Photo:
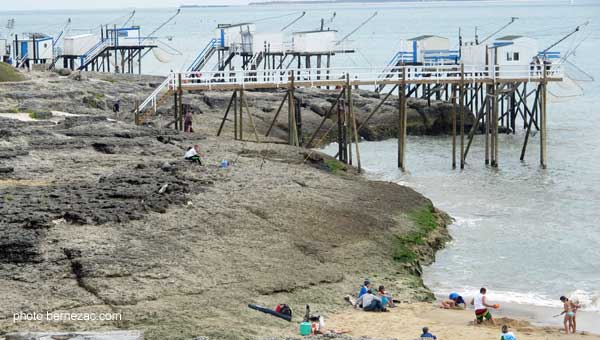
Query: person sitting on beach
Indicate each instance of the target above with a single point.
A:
(481, 307)
(386, 299)
(506, 335)
(192, 154)
(369, 302)
(570, 310)
(426, 335)
(364, 288)
(454, 301)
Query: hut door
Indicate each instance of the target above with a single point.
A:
(23, 48)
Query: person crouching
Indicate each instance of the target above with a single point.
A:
(192, 154)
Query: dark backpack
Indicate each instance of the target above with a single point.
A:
(284, 309)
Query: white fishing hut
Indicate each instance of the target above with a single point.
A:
(36, 47)
(314, 41)
(79, 44)
(426, 49)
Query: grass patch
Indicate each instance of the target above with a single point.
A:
(334, 165)
(14, 109)
(8, 73)
(425, 222)
(33, 115)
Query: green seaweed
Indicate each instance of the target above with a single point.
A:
(334, 165)
(425, 222)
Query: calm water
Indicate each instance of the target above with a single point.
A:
(528, 234)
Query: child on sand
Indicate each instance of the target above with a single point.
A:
(426, 335)
(506, 335)
(481, 307)
(454, 301)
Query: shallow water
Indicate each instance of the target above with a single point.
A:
(530, 235)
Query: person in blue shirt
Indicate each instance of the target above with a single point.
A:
(365, 288)
(506, 335)
(454, 301)
(427, 335)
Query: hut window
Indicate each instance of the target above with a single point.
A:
(516, 56)
(509, 56)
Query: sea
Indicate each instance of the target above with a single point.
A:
(528, 234)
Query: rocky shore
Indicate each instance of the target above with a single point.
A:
(98, 215)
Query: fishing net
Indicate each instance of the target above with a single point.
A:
(162, 55)
(562, 91)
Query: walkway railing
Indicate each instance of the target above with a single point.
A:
(369, 76)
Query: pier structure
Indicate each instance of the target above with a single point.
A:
(494, 96)
(240, 46)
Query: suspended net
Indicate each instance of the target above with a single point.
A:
(162, 55)
(562, 91)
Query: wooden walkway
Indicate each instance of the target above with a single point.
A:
(491, 94)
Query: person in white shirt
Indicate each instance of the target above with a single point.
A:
(192, 154)
(369, 302)
(481, 307)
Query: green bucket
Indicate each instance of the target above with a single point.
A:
(305, 328)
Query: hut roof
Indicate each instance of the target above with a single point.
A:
(233, 25)
(426, 36)
(315, 31)
(510, 37)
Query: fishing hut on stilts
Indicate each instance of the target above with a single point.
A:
(118, 49)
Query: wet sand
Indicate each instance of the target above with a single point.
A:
(406, 321)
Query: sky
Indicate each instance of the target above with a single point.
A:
(93, 4)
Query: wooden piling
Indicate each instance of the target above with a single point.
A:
(462, 116)
(542, 121)
(231, 100)
(353, 121)
(453, 113)
(402, 122)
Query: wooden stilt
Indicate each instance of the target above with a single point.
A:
(347, 130)
(277, 114)
(531, 114)
(243, 100)
(226, 113)
(402, 122)
(325, 117)
(352, 123)
(453, 113)
(462, 116)
(543, 130)
(495, 122)
(487, 125)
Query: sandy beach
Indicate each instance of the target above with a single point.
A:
(406, 321)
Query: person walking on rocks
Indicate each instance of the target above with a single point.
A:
(187, 121)
(117, 106)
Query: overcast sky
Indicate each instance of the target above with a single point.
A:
(84, 4)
